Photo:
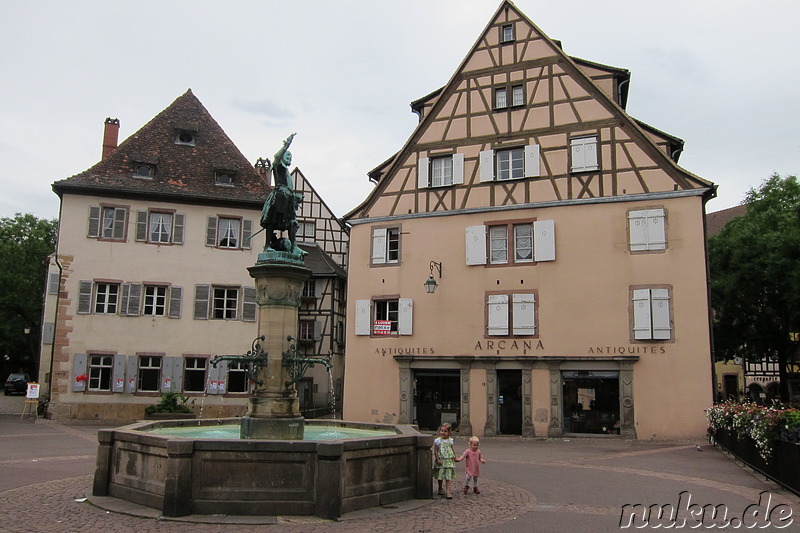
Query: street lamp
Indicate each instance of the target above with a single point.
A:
(430, 284)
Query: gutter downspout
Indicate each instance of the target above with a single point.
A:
(712, 194)
(55, 315)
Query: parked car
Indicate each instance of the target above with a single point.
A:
(16, 382)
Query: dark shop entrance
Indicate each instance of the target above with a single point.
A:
(437, 398)
(509, 401)
(591, 402)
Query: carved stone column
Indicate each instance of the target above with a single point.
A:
(406, 391)
(627, 427)
(556, 428)
(464, 424)
(527, 404)
(274, 410)
(490, 428)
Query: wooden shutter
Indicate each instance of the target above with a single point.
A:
(132, 373)
(249, 306)
(179, 222)
(168, 372)
(215, 376)
(247, 233)
(637, 226)
(486, 161)
(458, 169)
(85, 297)
(48, 332)
(660, 314)
(405, 318)
(532, 161)
(523, 313)
(118, 377)
(175, 302)
(202, 293)
(211, 231)
(584, 154)
(363, 317)
(423, 173)
(141, 226)
(93, 229)
(497, 307)
(544, 240)
(53, 283)
(656, 229)
(119, 223)
(79, 368)
(379, 246)
(642, 329)
(476, 245)
(317, 330)
(131, 299)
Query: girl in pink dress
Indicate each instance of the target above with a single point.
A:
(473, 458)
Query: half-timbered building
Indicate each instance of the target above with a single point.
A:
(149, 280)
(531, 261)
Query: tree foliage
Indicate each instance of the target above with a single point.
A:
(25, 243)
(754, 267)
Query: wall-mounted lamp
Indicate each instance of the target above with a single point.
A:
(430, 285)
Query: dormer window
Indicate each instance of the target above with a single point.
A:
(185, 137)
(223, 178)
(143, 171)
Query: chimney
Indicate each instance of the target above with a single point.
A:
(110, 136)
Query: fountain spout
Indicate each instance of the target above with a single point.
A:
(255, 359)
(297, 364)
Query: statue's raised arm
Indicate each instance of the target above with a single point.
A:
(281, 163)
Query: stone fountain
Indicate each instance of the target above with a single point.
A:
(271, 469)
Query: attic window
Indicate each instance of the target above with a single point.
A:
(143, 171)
(507, 33)
(185, 137)
(223, 178)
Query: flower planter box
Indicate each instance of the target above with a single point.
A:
(783, 467)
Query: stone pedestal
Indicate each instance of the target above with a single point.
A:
(274, 411)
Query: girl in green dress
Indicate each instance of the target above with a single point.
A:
(445, 467)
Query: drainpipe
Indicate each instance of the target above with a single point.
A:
(55, 315)
(706, 197)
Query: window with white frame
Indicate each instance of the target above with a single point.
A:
(101, 367)
(107, 222)
(229, 233)
(511, 314)
(440, 171)
(384, 316)
(385, 246)
(513, 242)
(306, 330)
(306, 230)
(509, 163)
(155, 300)
(507, 33)
(149, 373)
(237, 377)
(225, 303)
(309, 289)
(651, 314)
(584, 154)
(647, 229)
(106, 298)
(159, 227)
(509, 96)
(194, 374)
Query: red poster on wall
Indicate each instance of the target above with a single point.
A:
(382, 327)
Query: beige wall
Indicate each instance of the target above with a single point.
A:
(583, 308)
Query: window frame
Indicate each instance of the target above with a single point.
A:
(220, 237)
(195, 371)
(108, 295)
(149, 369)
(154, 306)
(105, 372)
(386, 246)
(578, 165)
(512, 306)
(507, 33)
(651, 236)
(514, 158)
(225, 299)
(441, 171)
(118, 229)
(368, 311)
(509, 92)
(649, 321)
(240, 371)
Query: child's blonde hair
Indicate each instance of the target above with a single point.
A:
(474, 439)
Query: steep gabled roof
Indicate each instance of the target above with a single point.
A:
(717, 220)
(441, 105)
(320, 263)
(183, 172)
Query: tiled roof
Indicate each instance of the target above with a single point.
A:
(182, 172)
(320, 263)
(717, 220)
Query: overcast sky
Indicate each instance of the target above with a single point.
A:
(721, 75)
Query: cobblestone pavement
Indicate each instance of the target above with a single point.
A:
(527, 485)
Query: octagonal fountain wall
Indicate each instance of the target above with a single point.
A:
(194, 475)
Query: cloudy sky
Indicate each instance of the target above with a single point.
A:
(721, 75)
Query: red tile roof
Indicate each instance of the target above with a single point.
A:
(182, 172)
(717, 220)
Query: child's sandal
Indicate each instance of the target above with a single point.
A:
(449, 496)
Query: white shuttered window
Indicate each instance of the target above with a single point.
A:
(651, 314)
(647, 229)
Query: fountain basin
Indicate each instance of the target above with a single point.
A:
(194, 475)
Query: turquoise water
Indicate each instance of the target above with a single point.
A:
(231, 432)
